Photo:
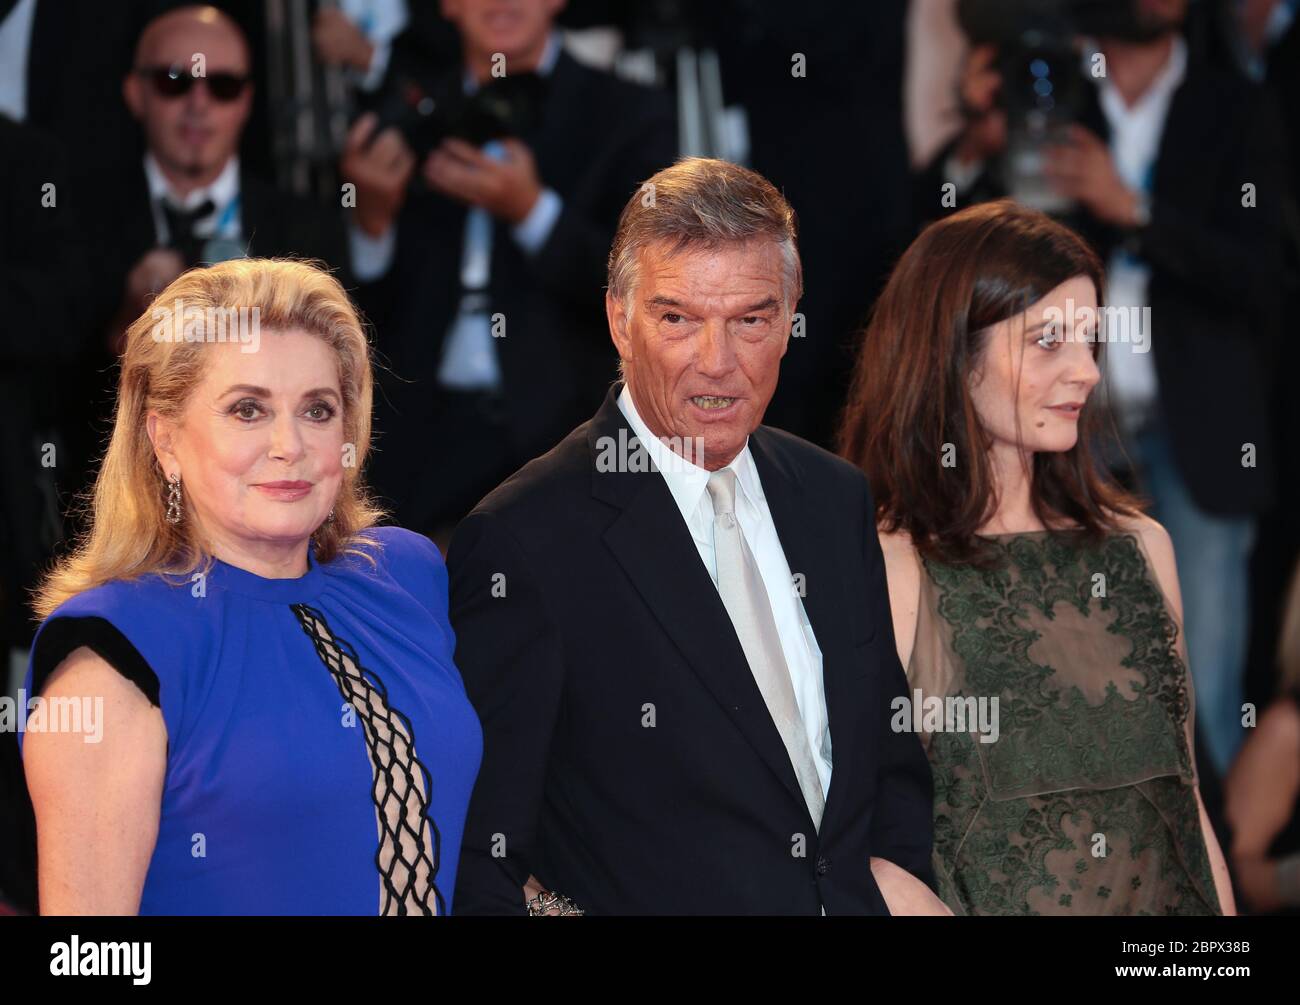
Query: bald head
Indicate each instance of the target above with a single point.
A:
(191, 133)
(190, 30)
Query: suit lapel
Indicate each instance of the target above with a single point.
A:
(652, 544)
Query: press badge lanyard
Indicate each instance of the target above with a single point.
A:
(228, 215)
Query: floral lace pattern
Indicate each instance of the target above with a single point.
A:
(1084, 802)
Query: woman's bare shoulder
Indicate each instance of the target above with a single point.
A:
(1137, 523)
(896, 542)
(1159, 545)
(903, 576)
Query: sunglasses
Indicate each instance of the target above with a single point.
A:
(174, 81)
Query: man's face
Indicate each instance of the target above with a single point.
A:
(701, 338)
(191, 134)
(512, 27)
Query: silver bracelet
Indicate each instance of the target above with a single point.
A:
(541, 905)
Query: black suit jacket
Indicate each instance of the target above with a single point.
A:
(582, 609)
(598, 139)
(76, 59)
(1216, 276)
(274, 224)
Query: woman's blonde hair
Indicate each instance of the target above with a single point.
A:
(126, 534)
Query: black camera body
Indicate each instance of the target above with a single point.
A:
(1044, 82)
(504, 106)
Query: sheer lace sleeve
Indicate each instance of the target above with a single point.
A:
(1180, 645)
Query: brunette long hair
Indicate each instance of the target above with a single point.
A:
(910, 394)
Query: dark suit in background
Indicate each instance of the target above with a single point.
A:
(42, 261)
(76, 59)
(598, 138)
(1278, 547)
(272, 224)
(832, 141)
(579, 600)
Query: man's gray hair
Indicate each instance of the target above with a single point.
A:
(706, 203)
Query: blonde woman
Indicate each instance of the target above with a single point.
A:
(280, 726)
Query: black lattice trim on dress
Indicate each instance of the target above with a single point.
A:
(408, 853)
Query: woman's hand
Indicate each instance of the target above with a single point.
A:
(905, 894)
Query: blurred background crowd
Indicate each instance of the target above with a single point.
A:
(461, 165)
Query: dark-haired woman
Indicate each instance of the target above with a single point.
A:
(1036, 610)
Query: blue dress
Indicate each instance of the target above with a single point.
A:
(321, 747)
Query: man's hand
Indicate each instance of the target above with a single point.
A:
(155, 270)
(905, 894)
(339, 42)
(508, 188)
(381, 170)
(1081, 168)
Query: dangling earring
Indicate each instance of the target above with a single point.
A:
(330, 518)
(174, 499)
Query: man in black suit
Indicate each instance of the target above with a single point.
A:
(484, 278)
(190, 202)
(668, 621)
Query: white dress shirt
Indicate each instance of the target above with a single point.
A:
(223, 222)
(688, 484)
(1135, 134)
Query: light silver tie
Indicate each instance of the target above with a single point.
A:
(743, 595)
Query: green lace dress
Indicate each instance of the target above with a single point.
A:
(1084, 803)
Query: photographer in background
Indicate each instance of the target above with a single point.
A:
(382, 42)
(485, 209)
(1173, 170)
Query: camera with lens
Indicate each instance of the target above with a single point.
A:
(1044, 80)
(507, 106)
